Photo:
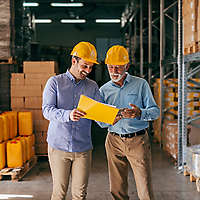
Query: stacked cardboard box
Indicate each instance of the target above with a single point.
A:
(170, 137)
(26, 94)
(171, 112)
(5, 33)
(194, 136)
(191, 25)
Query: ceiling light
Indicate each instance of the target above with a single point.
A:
(30, 4)
(8, 196)
(107, 20)
(72, 20)
(66, 4)
(42, 21)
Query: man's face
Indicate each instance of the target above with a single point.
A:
(116, 72)
(82, 68)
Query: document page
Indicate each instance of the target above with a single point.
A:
(97, 111)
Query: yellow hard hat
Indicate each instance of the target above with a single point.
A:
(117, 55)
(86, 51)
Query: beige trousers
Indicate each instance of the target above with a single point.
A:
(63, 164)
(135, 151)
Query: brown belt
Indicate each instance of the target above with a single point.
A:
(129, 135)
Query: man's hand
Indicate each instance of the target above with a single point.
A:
(118, 117)
(76, 114)
(131, 113)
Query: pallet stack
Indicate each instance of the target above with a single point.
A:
(191, 26)
(26, 95)
(17, 144)
(6, 34)
(170, 123)
(192, 167)
(170, 137)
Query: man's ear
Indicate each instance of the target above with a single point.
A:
(127, 66)
(74, 61)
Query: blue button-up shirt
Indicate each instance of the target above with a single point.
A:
(136, 91)
(61, 95)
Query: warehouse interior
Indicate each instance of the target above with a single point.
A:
(162, 38)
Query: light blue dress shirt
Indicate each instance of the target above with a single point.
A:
(61, 95)
(136, 91)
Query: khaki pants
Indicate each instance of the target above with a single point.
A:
(63, 164)
(137, 152)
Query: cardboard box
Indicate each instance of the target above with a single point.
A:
(37, 79)
(40, 125)
(16, 82)
(194, 136)
(17, 76)
(41, 149)
(26, 91)
(36, 114)
(35, 82)
(33, 102)
(41, 137)
(46, 67)
(38, 76)
(17, 102)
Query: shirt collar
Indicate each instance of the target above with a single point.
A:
(69, 75)
(128, 77)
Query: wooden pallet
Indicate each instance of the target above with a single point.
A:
(9, 60)
(42, 155)
(193, 178)
(16, 174)
(192, 48)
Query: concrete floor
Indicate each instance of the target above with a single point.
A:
(168, 184)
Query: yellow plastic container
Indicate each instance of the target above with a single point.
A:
(28, 140)
(25, 123)
(24, 147)
(2, 155)
(14, 117)
(1, 130)
(14, 153)
(5, 126)
(12, 125)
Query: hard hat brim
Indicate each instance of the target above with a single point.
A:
(116, 63)
(90, 60)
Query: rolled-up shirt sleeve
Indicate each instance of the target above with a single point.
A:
(150, 110)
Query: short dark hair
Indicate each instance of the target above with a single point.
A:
(77, 58)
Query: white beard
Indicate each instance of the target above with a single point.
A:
(120, 76)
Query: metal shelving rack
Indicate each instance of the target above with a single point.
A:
(168, 64)
(176, 65)
(186, 72)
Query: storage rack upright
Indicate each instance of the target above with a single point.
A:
(175, 66)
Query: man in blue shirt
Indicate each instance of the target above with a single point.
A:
(127, 140)
(69, 137)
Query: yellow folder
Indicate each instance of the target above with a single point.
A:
(97, 111)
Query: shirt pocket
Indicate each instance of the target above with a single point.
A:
(132, 98)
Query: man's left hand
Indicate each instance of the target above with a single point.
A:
(131, 113)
